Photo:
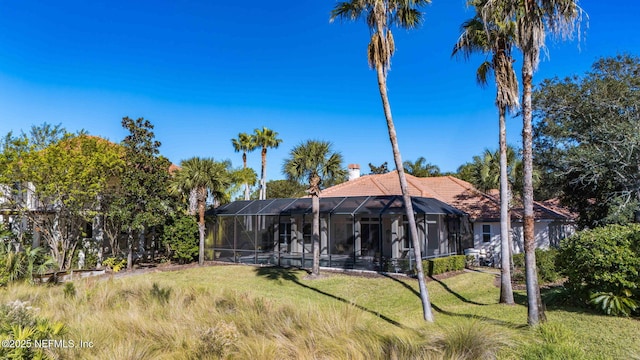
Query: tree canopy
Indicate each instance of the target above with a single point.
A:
(58, 180)
(588, 139)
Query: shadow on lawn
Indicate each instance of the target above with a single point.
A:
(289, 274)
(449, 313)
(462, 298)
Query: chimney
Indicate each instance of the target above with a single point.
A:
(354, 171)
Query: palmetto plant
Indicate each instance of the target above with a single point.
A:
(205, 177)
(23, 264)
(380, 16)
(315, 162)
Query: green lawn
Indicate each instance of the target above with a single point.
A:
(244, 312)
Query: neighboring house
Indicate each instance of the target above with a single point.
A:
(363, 224)
(15, 201)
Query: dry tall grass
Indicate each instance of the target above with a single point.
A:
(245, 313)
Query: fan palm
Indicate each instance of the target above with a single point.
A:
(380, 15)
(265, 138)
(533, 18)
(315, 162)
(204, 177)
(244, 143)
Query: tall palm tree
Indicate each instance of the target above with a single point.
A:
(265, 138)
(316, 162)
(245, 143)
(380, 15)
(207, 177)
(421, 168)
(495, 38)
(533, 18)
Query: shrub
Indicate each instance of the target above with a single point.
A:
(545, 263)
(19, 323)
(114, 264)
(602, 266)
(160, 294)
(69, 290)
(444, 264)
(181, 237)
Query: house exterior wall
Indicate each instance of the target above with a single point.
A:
(548, 233)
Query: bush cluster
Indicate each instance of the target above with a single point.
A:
(19, 322)
(602, 266)
(444, 264)
(181, 238)
(545, 263)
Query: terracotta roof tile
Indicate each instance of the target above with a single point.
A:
(448, 189)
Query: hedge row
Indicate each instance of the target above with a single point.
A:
(444, 264)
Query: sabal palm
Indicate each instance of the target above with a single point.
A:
(495, 38)
(315, 162)
(205, 177)
(265, 138)
(380, 15)
(421, 168)
(533, 18)
(244, 143)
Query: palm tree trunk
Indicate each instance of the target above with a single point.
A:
(201, 207)
(263, 185)
(535, 309)
(247, 193)
(424, 294)
(315, 209)
(506, 292)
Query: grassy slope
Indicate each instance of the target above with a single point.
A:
(267, 313)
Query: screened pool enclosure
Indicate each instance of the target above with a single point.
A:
(366, 232)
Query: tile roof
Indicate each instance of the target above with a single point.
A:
(448, 189)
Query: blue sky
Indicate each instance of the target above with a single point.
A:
(203, 71)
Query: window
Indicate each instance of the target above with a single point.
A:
(486, 233)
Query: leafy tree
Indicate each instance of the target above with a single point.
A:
(314, 161)
(587, 142)
(382, 169)
(283, 189)
(533, 18)
(265, 139)
(245, 143)
(380, 15)
(206, 177)
(421, 168)
(493, 37)
(67, 178)
(180, 235)
(144, 199)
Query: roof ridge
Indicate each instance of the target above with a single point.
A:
(379, 185)
(412, 179)
(343, 184)
(545, 207)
